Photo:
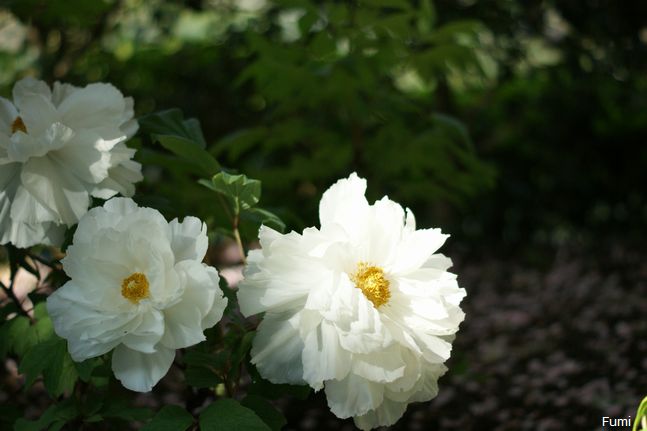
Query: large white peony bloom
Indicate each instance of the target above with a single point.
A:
(137, 286)
(361, 307)
(59, 147)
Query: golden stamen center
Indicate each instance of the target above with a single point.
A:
(372, 282)
(135, 287)
(18, 124)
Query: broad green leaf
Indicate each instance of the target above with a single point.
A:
(182, 137)
(228, 414)
(169, 418)
(188, 150)
(51, 359)
(18, 330)
(171, 122)
(243, 192)
(201, 371)
(85, 368)
(201, 377)
(120, 409)
(263, 216)
(266, 411)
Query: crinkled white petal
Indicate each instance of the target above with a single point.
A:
(277, 348)
(386, 414)
(323, 357)
(139, 371)
(353, 396)
(202, 301)
(188, 239)
(8, 114)
(56, 189)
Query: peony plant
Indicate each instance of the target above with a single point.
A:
(362, 307)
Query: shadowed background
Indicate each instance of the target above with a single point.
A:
(517, 127)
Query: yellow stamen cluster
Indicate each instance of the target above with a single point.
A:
(135, 287)
(18, 124)
(372, 282)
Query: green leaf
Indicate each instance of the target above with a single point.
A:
(266, 411)
(119, 409)
(171, 122)
(243, 192)
(51, 359)
(227, 414)
(201, 377)
(170, 418)
(85, 368)
(182, 137)
(202, 367)
(187, 149)
(53, 418)
(244, 345)
(269, 390)
(263, 216)
(17, 335)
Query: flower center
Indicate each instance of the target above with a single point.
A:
(135, 287)
(372, 282)
(18, 124)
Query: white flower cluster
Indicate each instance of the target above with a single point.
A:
(362, 307)
(59, 147)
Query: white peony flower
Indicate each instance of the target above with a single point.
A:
(59, 147)
(361, 307)
(137, 286)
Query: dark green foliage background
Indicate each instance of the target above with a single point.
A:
(515, 128)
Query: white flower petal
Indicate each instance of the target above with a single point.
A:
(23, 146)
(27, 87)
(344, 203)
(202, 299)
(90, 332)
(85, 160)
(323, 357)
(139, 371)
(188, 239)
(277, 348)
(353, 396)
(98, 105)
(219, 304)
(386, 414)
(56, 189)
(145, 336)
(416, 248)
(37, 113)
(8, 114)
(384, 367)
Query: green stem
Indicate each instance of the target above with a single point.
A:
(239, 242)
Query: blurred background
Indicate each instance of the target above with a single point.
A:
(520, 128)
